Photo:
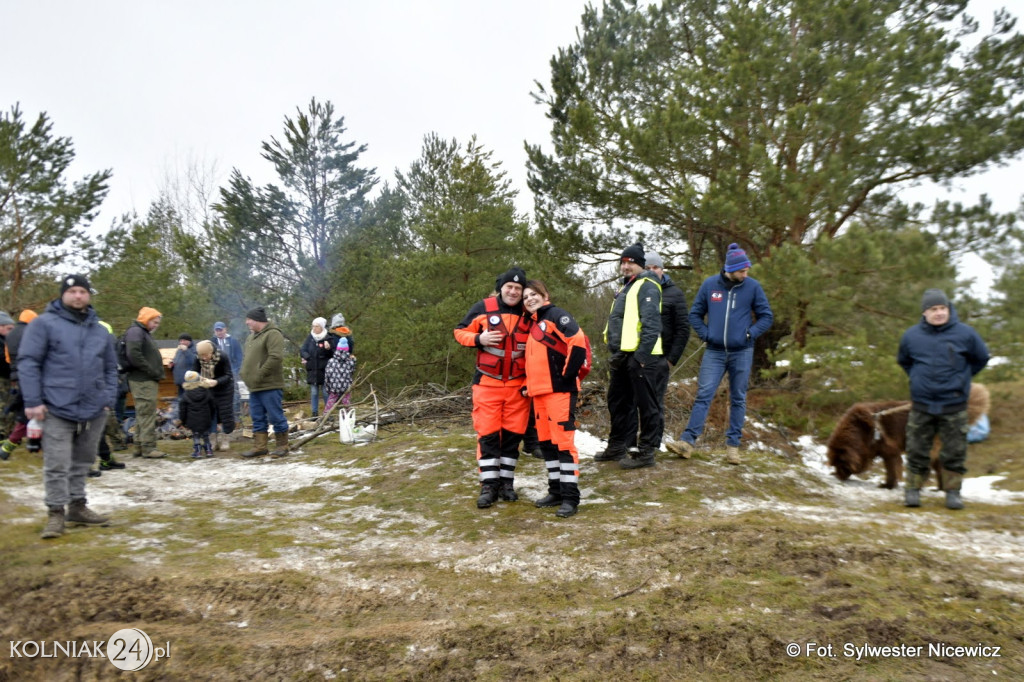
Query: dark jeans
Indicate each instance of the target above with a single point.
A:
(633, 403)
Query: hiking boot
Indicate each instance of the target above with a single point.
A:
(488, 495)
(259, 445)
(54, 524)
(137, 452)
(223, 442)
(612, 453)
(207, 450)
(281, 440)
(732, 454)
(79, 513)
(6, 448)
(196, 453)
(639, 461)
(538, 453)
(912, 495)
(566, 510)
(507, 491)
(680, 448)
(548, 500)
(111, 463)
(953, 500)
(155, 454)
(94, 473)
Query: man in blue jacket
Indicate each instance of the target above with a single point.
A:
(940, 355)
(68, 373)
(729, 312)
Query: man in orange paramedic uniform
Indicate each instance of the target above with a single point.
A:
(497, 328)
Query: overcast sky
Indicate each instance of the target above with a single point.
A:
(144, 87)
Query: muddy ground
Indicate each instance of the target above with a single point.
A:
(371, 562)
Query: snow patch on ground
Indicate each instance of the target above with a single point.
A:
(238, 490)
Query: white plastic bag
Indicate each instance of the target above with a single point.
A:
(347, 424)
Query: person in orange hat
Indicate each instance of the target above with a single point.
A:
(16, 407)
(144, 374)
(6, 418)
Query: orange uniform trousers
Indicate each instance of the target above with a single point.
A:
(500, 414)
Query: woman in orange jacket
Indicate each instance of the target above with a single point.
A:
(555, 353)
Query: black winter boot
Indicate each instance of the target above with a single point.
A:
(566, 510)
(644, 459)
(507, 491)
(570, 498)
(489, 493)
(611, 453)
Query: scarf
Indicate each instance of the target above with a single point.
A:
(206, 366)
(323, 326)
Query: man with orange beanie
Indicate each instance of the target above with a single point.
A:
(6, 418)
(146, 369)
(17, 404)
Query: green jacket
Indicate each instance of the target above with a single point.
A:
(147, 363)
(263, 364)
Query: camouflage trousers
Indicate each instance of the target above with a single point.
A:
(922, 428)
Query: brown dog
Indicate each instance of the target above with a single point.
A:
(870, 430)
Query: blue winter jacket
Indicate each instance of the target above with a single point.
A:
(940, 362)
(728, 307)
(68, 364)
(234, 351)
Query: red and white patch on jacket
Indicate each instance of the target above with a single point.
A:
(717, 296)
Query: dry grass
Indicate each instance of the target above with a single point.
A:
(372, 562)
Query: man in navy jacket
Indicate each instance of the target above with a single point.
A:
(68, 373)
(940, 354)
(728, 314)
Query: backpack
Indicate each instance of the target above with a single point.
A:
(121, 347)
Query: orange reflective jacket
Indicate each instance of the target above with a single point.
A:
(497, 364)
(555, 352)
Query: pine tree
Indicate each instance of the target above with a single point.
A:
(42, 217)
(709, 122)
(280, 237)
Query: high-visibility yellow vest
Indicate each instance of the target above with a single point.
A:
(631, 318)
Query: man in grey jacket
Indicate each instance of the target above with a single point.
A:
(67, 369)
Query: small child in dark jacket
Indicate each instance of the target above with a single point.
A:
(196, 409)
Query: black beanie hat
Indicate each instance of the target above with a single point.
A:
(933, 297)
(257, 314)
(74, 281)
(184, 337)
(515, 275)
(634, 253)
